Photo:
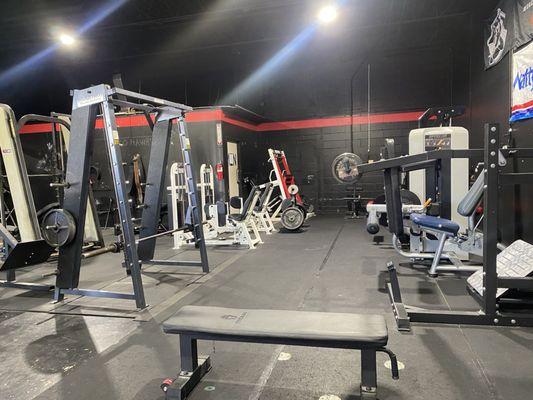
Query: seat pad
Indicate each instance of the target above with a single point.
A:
(435, 223)
(327, 329)
(237, 217)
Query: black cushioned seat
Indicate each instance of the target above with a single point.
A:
(326, 329)
(245, 207)
(237, 217)
(263, 197)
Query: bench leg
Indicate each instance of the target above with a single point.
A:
(188, 353)
(193, 368)
(438, 254)
(368, 374)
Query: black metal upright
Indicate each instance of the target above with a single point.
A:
(444, 176)
(131, 259)
(190, 179)
(76, 190)
(155, 190)
(490, 218)
(393, 200)
(155, 185)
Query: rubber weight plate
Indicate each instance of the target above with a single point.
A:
(292, 218)
(58, 227)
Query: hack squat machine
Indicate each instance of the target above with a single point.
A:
(66, 225)
(290, 207)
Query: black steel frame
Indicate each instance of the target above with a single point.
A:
(194, 367)
(495, 178)
(85, 106)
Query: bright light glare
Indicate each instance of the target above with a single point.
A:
(327, 14)
(67, 39)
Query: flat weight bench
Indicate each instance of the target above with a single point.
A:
(367, 333)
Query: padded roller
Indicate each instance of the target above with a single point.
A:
(468, 204)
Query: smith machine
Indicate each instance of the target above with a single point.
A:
(289, 208)
(504, 286)
(68, 222)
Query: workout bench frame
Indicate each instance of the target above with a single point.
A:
(194, 367)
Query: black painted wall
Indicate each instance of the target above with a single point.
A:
(310, 153)
(491, 102)
(411, 80)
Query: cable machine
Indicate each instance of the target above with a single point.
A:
(503, 287)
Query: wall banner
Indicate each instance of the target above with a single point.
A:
(522, 84)
(509, 27)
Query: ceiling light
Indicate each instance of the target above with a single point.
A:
(327, 14)
(67, 39)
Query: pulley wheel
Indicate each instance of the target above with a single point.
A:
(293, 189)
(292, 218)
(58, 227)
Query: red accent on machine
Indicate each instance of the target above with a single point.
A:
(220, 171)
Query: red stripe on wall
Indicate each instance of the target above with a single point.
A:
(242, 124)
(204, 116)
(37, 128)
(218, 115)
(341, 121)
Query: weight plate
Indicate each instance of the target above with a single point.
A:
(344, 168)
(302, 209)
(58, 227)
(409, 198)
(292, 218)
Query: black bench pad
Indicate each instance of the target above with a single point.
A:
(280, 326)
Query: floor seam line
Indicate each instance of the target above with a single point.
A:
(267, 372)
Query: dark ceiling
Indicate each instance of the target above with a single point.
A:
(177, 49)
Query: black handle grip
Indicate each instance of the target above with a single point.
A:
(393, 361)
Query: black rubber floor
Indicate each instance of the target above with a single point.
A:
(333, 266)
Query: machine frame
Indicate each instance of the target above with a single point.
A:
(495, 178)
(86, 104)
